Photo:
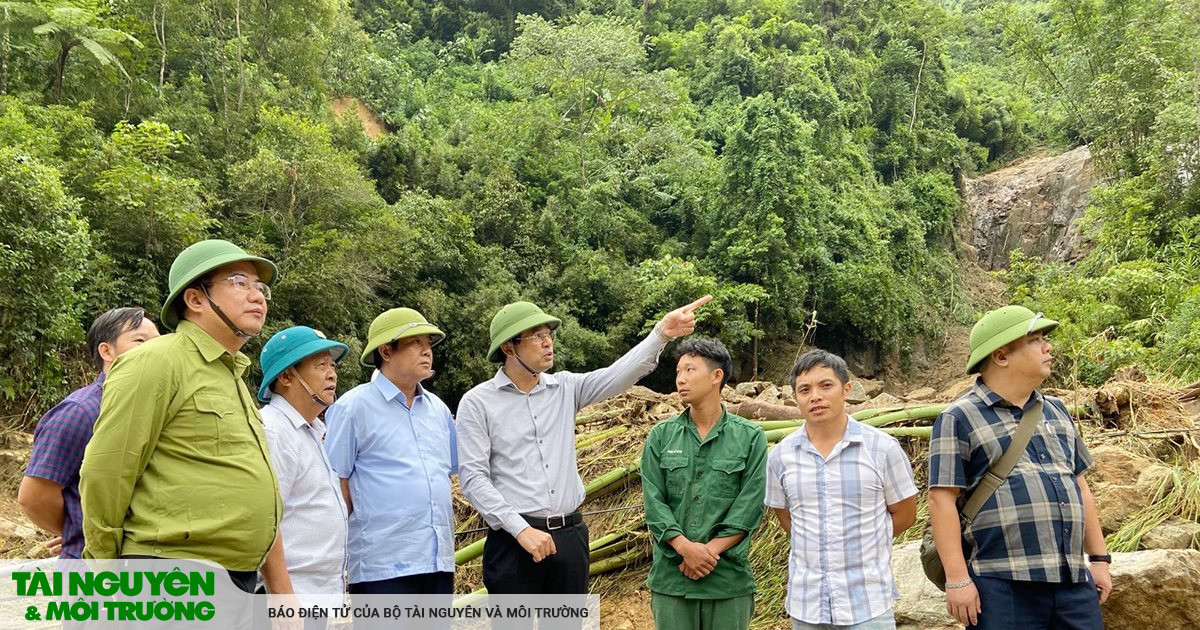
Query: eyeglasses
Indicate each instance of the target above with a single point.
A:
(539, 337)
(243, 284)
(1033, 322)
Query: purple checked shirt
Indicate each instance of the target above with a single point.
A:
(58, 443)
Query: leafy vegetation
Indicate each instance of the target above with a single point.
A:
(606, 159)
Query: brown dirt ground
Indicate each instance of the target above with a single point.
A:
(372, 125)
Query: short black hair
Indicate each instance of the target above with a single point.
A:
(712, 351)
(819, 358)
(377, 357)
(109, 326)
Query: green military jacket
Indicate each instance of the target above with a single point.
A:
(178, 466)
(703, 490)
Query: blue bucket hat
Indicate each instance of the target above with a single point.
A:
(289, 347)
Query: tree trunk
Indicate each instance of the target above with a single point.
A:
(754, 346)
(917, 90)
(60, 70)
(4, 55)
(158, 21)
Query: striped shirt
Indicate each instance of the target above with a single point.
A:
(58, 444)
(314, 513)
(840, 566)
(1031, 529)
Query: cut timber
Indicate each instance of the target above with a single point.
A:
(764, 411)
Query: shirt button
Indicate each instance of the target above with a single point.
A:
(551, 492)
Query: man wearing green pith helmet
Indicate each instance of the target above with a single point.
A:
(516, 437)
(391, 442)
(178, 466)
(1034, 555)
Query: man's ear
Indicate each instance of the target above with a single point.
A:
(193, 300)
(107, 352)
(508, 349)
(999, 356)
(846, 387)
(718, 376)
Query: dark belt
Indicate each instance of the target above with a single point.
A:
(550, 523)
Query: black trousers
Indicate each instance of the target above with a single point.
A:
(509, 570)
(439, 583)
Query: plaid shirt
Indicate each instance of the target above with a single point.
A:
(1031, 529)
(58, 444)
(840, 565)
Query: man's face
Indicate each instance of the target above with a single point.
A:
(695, 379)
(409, 358)
(820, 395)
(1030, 357)
(320, 372)
(128, 340)
(536, 348)
(232, 288)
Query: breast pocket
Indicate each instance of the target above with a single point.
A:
(221, 421)
(727, 476)
(675, 470)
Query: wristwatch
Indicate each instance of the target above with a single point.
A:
(1106, 558)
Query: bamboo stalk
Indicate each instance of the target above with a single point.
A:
(917, 432)
(771, 425)
(613, 549)
(585, 441)
(866, 414)
(470, 552)
(618, 562)
(598, 416)
(912, 413)
(611, 480)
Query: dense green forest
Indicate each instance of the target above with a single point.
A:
(609, 159)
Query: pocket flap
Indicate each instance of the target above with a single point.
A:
(675, 461)
(729, 464)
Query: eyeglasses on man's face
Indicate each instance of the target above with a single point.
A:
(545, 335)
(242, 283)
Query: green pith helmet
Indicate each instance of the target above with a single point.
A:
(394, 324)
(513, 320)
(1003, 326)
(197, 260)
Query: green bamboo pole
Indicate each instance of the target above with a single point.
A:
(585, 441)
(610, 480)
(778, 434)
(771, 425)
(912, 413)
(619, 561)
(918, 432)
(470, 552)
(598, 416)
(865, 414)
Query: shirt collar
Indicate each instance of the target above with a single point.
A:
(209, 349)
(991, 398)
(501, 380)
(389, 390)
(283, 406)
(854, 433)
(99, 382)
(685, 418)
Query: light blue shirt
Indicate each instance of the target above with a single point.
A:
(840, 566)
(398, 461)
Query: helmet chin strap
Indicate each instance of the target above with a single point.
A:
(317, 399)
(228, 322)
(518, 358)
